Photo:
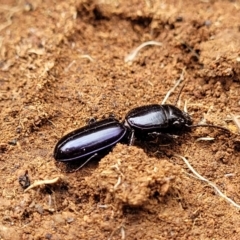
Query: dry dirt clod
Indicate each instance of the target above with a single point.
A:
(133, 182)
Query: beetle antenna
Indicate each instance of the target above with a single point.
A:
(208, 125)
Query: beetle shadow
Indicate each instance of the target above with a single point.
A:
(85, 163)
(163, 146)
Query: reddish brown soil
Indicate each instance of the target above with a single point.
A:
(48, 87)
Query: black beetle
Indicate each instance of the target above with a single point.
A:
(158, 119)
(99, 137)
(89, 141)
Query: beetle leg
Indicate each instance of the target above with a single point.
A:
(132, 138)
(171, 136)
(155, 134)
(166, 135)
(111, 115)
(91, 121)
(93, 156)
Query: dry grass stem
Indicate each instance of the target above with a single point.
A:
(192, 50)
(130, 57)
(69, 66)
(42, 182)
(118, 183)
(9, 16)
(181, 78)
(205, 139)
(123, 233)
(185, 107)
(229, 175)
(208, 182)
(88, 57)
(102, 206)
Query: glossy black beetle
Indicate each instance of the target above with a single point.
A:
(158, 119)
(87, 142)
(98, 138)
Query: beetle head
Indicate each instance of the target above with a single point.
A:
(187, 119)
(182, 122)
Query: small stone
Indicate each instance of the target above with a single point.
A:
(59, 220)
(86, 219)
(48, 236)
(39, 208)
(68, 216)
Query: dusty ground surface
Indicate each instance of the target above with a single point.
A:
(62, 63)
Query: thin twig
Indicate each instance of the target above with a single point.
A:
(208, 182)
(123, 233)
(205, 139)
(118, 183)
(192, 50)
(181, 78)
(88, 57)
(69, 66)
(130, 57)
(12, 11)
(229, 175)
(102, 206)
(42, 182)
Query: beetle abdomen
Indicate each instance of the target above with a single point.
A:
(88, 140)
